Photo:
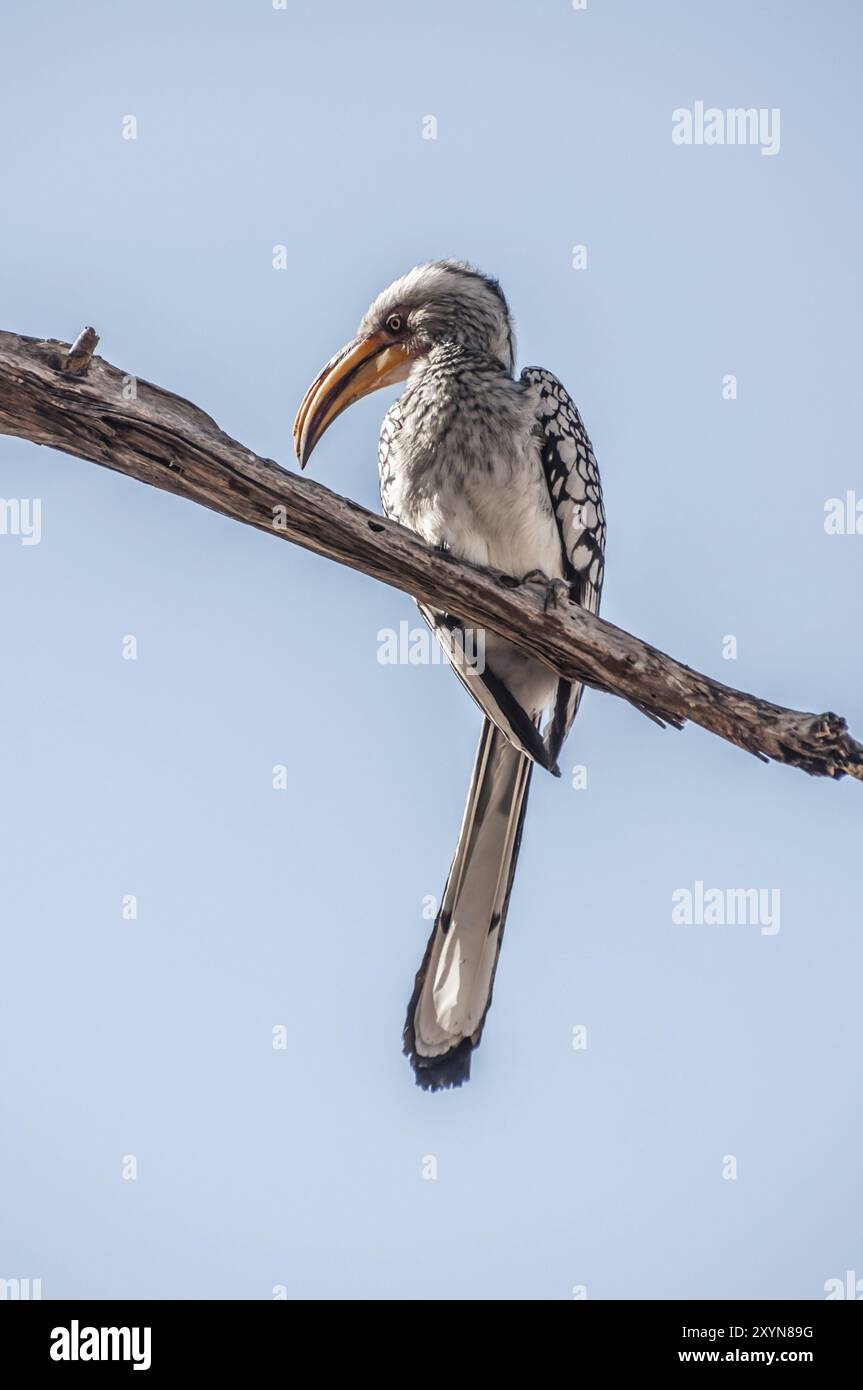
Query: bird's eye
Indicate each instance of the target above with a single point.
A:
(394, 323)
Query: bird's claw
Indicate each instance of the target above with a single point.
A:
(555, 589)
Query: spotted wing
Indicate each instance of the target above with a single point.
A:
(576, 497)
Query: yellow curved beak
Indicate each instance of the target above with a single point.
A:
(365, 365)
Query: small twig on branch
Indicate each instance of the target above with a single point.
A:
(81, 352)
(165, 441)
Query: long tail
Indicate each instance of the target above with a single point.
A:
(453, 987)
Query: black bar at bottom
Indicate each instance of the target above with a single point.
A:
(221, 1338)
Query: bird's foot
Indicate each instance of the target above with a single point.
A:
(555, 590)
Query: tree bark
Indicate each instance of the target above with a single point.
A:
(63, 397)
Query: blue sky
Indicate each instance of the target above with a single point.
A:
(599, 1168)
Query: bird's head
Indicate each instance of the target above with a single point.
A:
(443, 302)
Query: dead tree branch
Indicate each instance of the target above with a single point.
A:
(69, 400)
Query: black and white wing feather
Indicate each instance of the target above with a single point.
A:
(576, 498)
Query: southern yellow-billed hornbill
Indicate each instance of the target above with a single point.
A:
(499, 471)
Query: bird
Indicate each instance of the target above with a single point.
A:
(497, 470)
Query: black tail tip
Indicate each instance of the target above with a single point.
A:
(443, 1073)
